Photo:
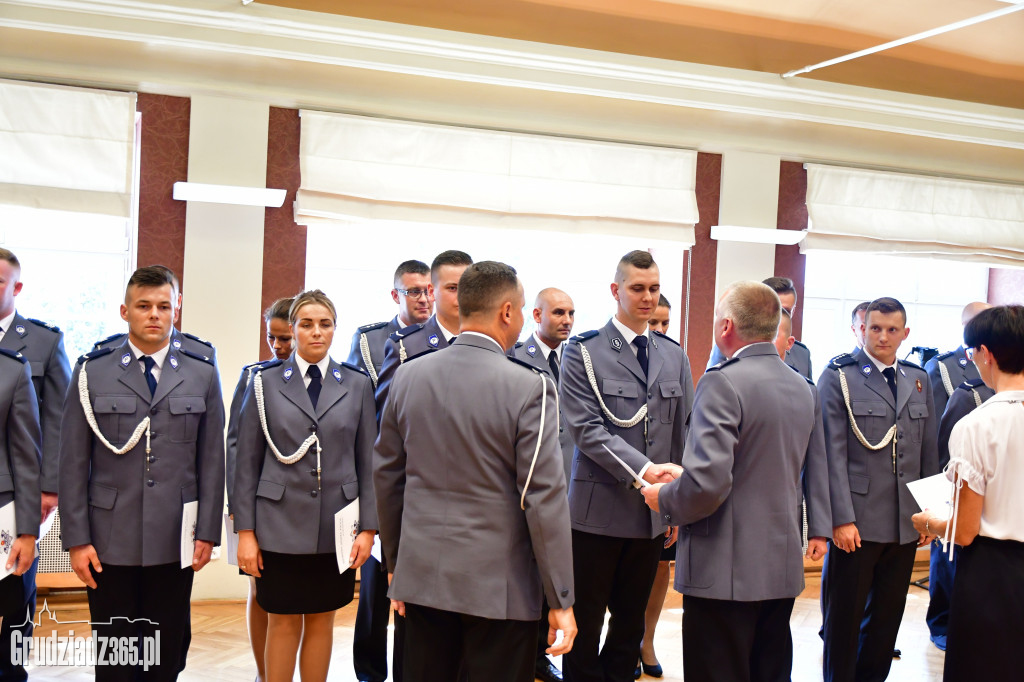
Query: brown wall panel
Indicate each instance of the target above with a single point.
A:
(789, 262)
(702, 265)
(284, 242)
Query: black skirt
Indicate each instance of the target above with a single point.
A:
(12, 597)
(986, 613)
(303, 583)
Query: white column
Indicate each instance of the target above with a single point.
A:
(223, 273)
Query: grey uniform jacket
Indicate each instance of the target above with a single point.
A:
(457, 442)
(19, 447)
(411, 341)
(755, 448)
(42, 345)
(179, 340)
(129, 506)
(958, 369)
(289, 507)
(964, 400)
(368, 344)
(798, 357)
(234, 414)
(602, 496)
(535, 358)
(863, 488)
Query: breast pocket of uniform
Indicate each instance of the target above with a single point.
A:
(625, 395)
(115, 415)
(671, 392)
(872, 417)
(186, 412)
(918, 417)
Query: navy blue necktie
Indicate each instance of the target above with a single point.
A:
(641, 351)
(890, 378)
(150, 363)
(553, 364)
(314, 384)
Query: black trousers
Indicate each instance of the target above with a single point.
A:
(370, 635)
(613, 574)
(142, 602)
(737, 641)
(867, 593)
(20, 619)
(542, 632)
(444, 646)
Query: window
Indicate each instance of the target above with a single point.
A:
(933, 291)
(354, 264)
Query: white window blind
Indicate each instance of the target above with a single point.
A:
(902, 214)
(66, 149)
(356, 168)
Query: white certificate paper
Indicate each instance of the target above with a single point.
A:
(346, 528)
(189, 517)
(934, 494)
(8, 534)
(230, 540)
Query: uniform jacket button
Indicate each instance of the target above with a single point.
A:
(151, 483)
(312, 428)
(312, 472)
(312, 493)
(565, 593)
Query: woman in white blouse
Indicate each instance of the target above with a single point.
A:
(986, 464)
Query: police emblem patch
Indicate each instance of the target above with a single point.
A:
(433, 340)
(337, 374)
(866, 369)
(288, 374)
(126, 358)
(174, 361)
(20, 329)
(176, 343)
(531, 350)
(963, 362)
(617, 343)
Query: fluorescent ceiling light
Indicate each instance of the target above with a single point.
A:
(229, 194)
(756, 235)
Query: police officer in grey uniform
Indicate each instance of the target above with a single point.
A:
(19, 483)
(892, 442)
(42, 345)
(554, 314)
(626, 393)
(948, 370)
(755, 445)
(471, 498)
(142, 436)
(414, 296)
(434, 334)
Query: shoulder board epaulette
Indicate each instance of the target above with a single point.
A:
(519, 344)
(355, 368)
(254, 364)
(197, 356)
(799, 374)
(371, 327)
(947, 354)
(799, 343)
(260, 366)
(584, 336)
(427, 351)
(723, 363)
(527, 365)
(196, 338)
(405, 331)
(972, 384)
(98, 353)
(667, 338)
(13, 354)
(103, 342)
(47, 325)
(841, 360)
(908, 363)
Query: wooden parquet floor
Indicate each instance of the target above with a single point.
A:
(220, 647)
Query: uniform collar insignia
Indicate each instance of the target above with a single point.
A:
(903, 371)
(433, 340)
(126, 358)
(176, 343)
(174, 361)
(866, 369)
(337, 374)
(616, 343)
(531, 350)
(20, 329)
(287, 374)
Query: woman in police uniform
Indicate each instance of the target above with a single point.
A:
(305, 445)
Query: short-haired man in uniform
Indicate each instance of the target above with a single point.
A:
(42, 345)
(414, 297)
(948, 370)
(857, 324)
(471, 498)
(554, 314)
(142, 436)
(754, 450)
(880, 427)
(626, 393)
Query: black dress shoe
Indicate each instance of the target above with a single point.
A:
(652, 670)
(636, 673)
(546, 671)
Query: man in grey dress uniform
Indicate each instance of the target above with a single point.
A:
(857, 324)
(42, 345)
(754, 450)
(471, 500)
(626, 393)
(554, 314)
(414, 296)
(948, 370)
(142, 436)
(891, 442)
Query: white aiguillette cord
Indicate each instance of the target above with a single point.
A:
(853, 422)
(83, 397)
(588, 365)
(540, 433)
(257, 382)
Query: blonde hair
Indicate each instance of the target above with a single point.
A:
(754, 308)
(310, 297)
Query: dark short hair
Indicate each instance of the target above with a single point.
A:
(1001, 330)
(786, 315)
(641, 260)
(484, 286)
(663, 302)
(8, 255)
(449, 257)
(781, 285)
(150, 276)
(174, 278)
(410, 267)
(886, 305)
(862, 307)
(278, 310)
